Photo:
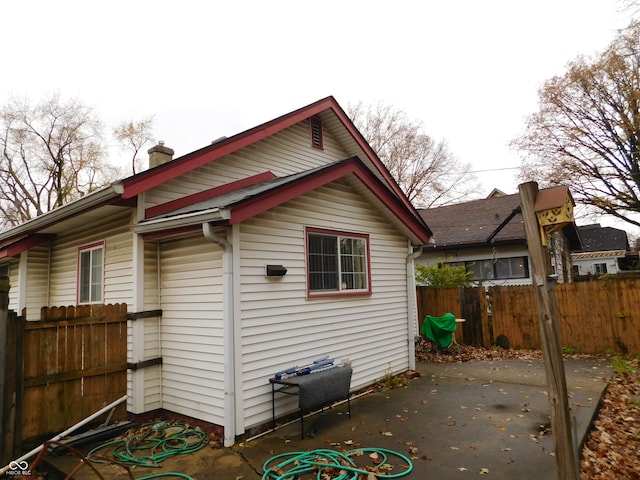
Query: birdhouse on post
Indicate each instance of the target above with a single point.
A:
(554, 210)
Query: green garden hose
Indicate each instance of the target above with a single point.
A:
(293, 464)
(153, 446)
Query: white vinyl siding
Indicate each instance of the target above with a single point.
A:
(38, 280)
(281, 327)
(285, 153)
(192, 350)
(12, 268)
(115, 231)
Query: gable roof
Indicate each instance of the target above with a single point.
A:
(123, 193)
(493, 220)
(602, 239)
(472, 223)
(327, 109)
(238, 205)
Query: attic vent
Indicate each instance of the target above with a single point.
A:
(316, 133)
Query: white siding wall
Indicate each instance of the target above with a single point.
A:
(37, 287)
(13, 285)
(115, 230)
(281, 327)
(588, 266)
(192, 350)
(286, 153)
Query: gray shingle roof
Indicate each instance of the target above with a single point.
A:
(472, 223)
(602, 239)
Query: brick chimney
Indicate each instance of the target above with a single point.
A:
(159, 154)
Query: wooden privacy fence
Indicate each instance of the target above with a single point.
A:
(594, 317)
(62, 369)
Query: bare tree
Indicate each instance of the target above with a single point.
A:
(133, 135)
(425, 169)
(51, 153)
(587, 132)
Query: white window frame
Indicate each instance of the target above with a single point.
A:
(341, 286)
(91, 277)
(600, 268)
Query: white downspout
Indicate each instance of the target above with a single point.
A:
(229, 333)
(412, 307)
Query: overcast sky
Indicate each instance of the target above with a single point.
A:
(469, 70)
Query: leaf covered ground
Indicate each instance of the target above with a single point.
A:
(612, 450)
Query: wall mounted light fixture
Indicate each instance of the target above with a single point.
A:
(275, 271)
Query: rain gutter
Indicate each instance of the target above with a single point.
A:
(228, 333)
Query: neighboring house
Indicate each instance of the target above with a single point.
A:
(488, 236)
(263, 250)
(605, 250)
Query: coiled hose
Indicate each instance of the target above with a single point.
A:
(332, 462)
(151, 447)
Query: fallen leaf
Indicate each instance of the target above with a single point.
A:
(462, 469)
(484, 471)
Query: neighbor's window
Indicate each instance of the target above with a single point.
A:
(90, 273)
(500, 269)
(600, 268)
(337, 262)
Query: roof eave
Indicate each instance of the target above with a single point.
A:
(181, 221)
(96, 198)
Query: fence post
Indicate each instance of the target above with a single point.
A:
(5, 407)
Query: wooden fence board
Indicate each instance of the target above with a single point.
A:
(594, 317)
(74, 363)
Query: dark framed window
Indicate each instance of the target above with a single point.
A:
(91, 273)
(498, 269)
(337, 263)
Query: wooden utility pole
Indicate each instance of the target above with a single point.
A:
(550, 335)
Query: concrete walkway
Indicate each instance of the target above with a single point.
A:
(455, 421)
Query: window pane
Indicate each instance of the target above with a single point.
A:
(519, 267)
(323, 262)
(503, 268)
(487, 269)
(96, 275)
(476, 271)
(353, 263)
(85, 276)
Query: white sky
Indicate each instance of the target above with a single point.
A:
(469, 70)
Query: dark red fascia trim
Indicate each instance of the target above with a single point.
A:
(178, 203)
(354, 166)
(13, 248)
